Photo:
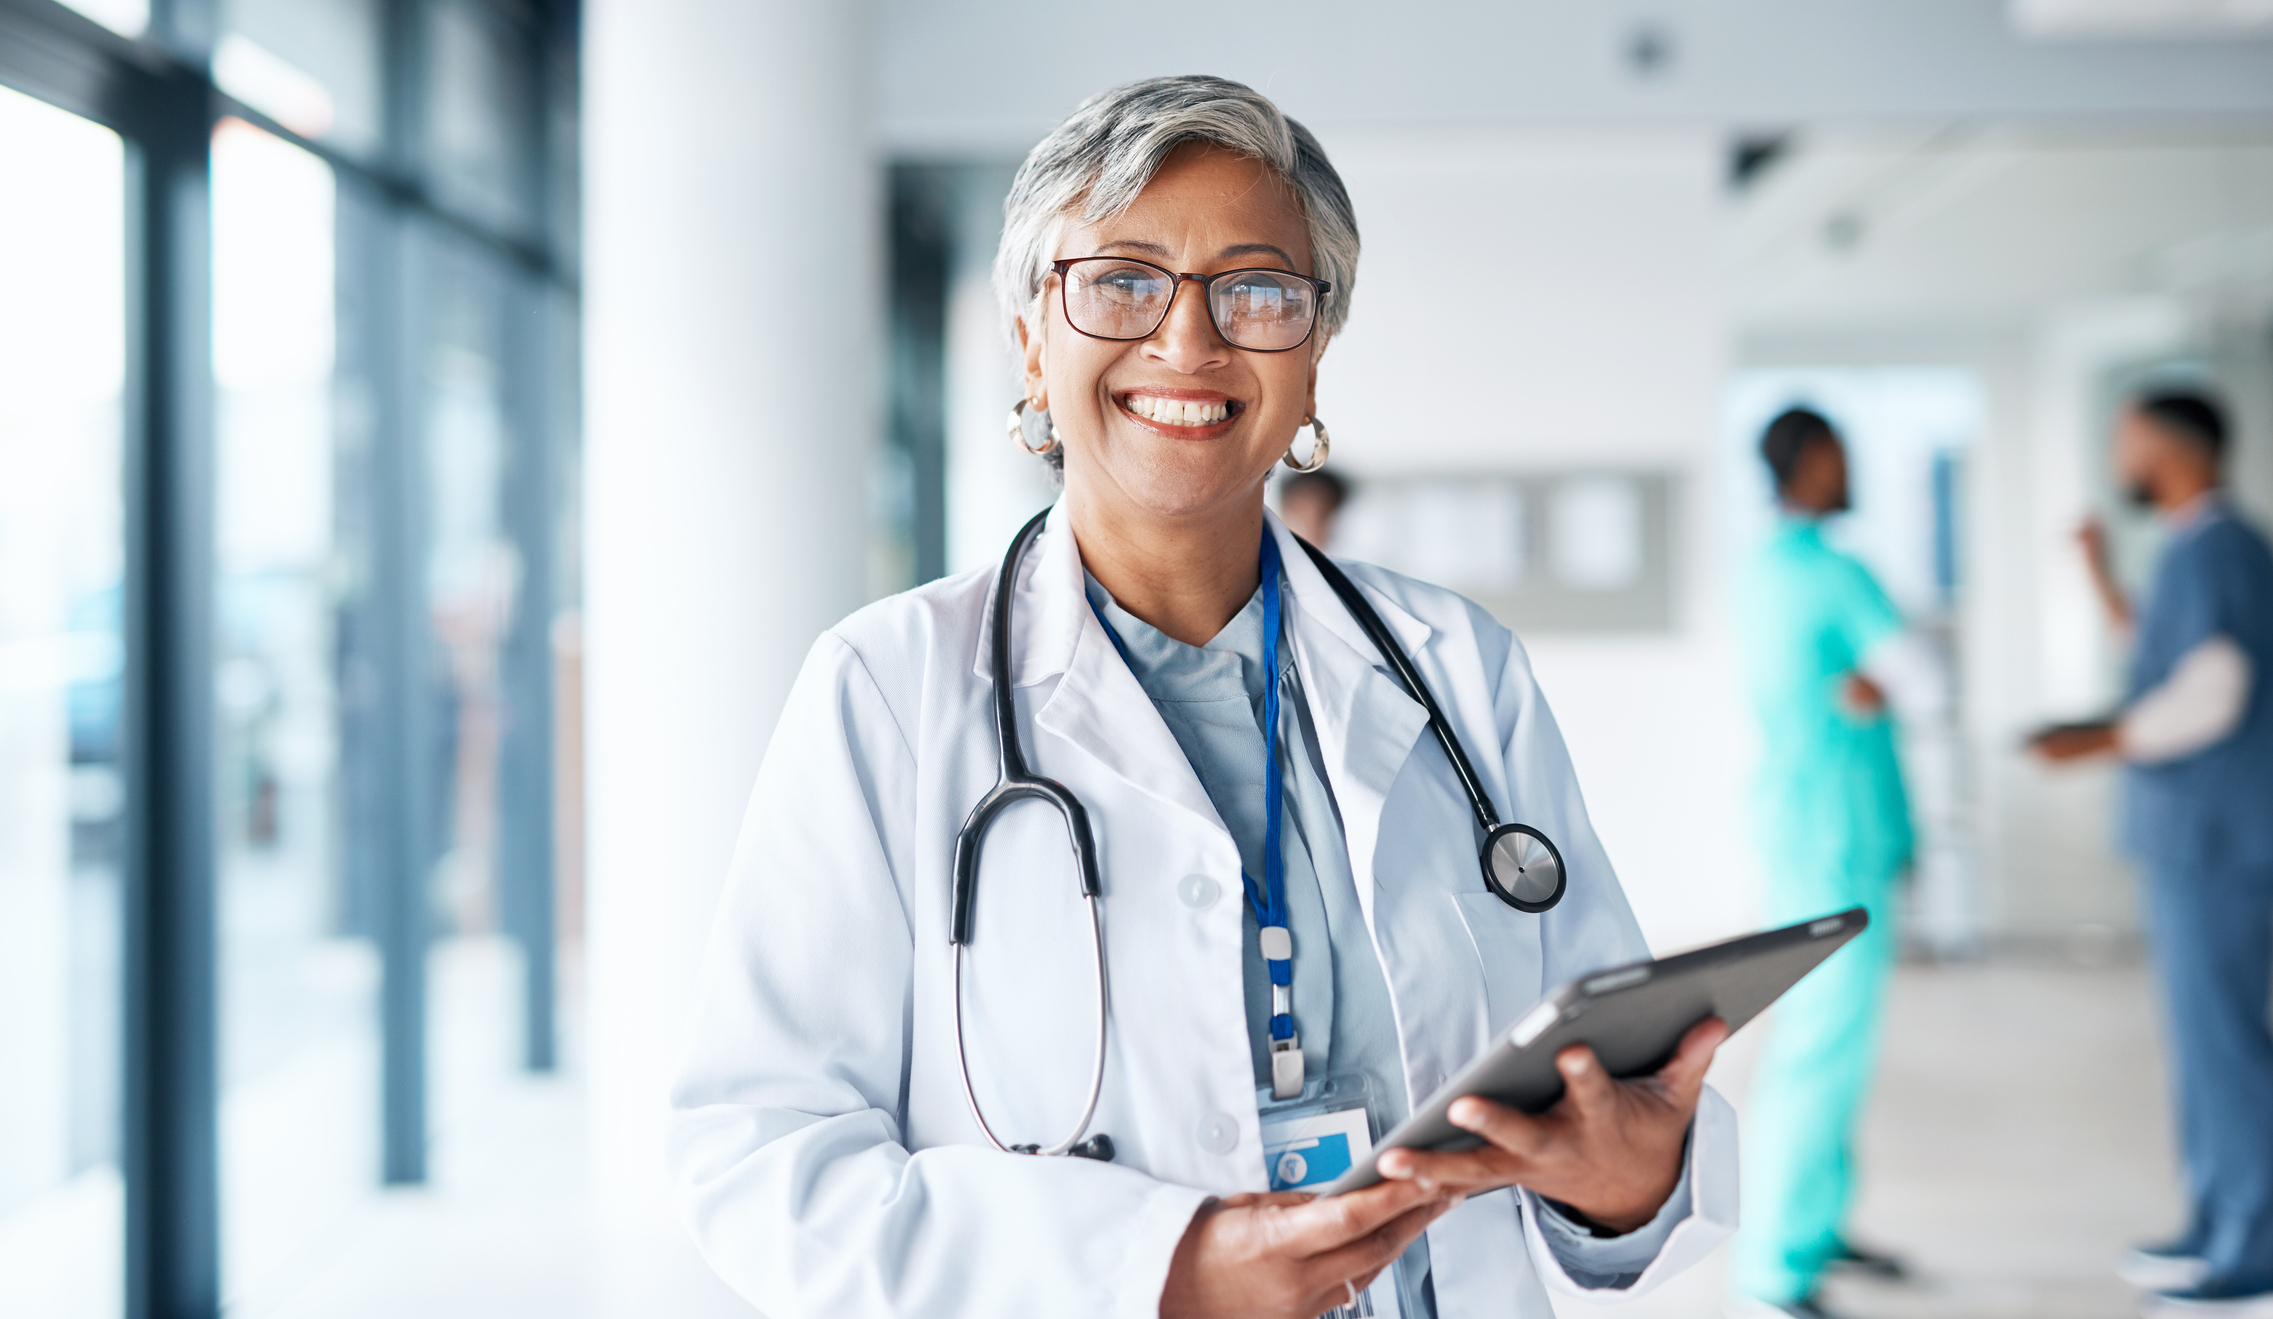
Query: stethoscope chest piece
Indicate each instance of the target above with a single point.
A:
(1522, 867)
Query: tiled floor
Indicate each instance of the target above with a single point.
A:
(507, 1226)
(507, 1230)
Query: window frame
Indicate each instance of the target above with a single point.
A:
(157, 92)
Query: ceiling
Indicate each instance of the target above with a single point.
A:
(989, 77)
(1987, 223)
(2133, 18)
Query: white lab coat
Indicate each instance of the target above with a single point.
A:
(824, 1154)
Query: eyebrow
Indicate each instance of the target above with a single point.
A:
(1251, 249)
(1236, 249)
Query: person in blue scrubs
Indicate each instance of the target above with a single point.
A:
(1835, 829)
(2196, 735)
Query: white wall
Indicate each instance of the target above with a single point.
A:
(732, 265)
(1596, 342)
(1527, 299)
(1545, 300)
(2073, 349)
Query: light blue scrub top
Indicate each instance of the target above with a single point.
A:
(1211, 698)
(1831, 802)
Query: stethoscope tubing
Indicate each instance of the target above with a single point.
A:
(1021, 784)
(1097, 1066)
(1018, 783)
(1377, 632)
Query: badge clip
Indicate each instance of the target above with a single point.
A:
(1286, 1068)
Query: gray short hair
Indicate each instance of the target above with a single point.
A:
(1103, 155)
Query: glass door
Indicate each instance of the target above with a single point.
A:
(62, 556)
(299, 970)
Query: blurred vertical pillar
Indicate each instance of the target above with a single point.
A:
(992, 488)
(733, 334)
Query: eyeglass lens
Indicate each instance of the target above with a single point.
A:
(1261, 310)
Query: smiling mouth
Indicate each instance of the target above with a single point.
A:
(1192, 413)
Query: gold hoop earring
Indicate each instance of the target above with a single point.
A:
(1319, 447)
(1018, 429)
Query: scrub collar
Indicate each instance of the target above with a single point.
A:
(2193, 511)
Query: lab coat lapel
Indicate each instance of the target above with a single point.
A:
(1098, 705)
(1099, 708)
(1045, 620)
(1367, 725)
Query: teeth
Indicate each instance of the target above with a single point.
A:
(1177, 411)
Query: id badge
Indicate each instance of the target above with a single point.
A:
(1309, 1141)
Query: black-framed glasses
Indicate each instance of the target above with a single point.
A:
(1121, 298)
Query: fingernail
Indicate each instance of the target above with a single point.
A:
(1577, 1063)
(1464, 1113)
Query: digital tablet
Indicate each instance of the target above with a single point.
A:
(1634, 1017)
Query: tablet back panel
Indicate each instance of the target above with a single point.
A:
(1632, 1016)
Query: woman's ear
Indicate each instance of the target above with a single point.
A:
(1310, 397)
(1030, 366)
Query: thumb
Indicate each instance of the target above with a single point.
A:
(1684, 1077)
(1588, 1085)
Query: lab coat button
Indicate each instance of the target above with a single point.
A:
(1198, 891)
(1219, 1133)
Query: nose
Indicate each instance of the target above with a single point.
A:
(1187, 340)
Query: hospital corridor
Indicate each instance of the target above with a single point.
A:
(643, 644)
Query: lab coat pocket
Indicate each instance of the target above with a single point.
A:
(1507, 952)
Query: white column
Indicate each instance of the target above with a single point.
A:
(732, 288)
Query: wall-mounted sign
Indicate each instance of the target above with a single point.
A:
(1545, 552)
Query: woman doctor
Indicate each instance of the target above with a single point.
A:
(827, 1154)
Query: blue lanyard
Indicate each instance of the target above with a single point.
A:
(1268, 898)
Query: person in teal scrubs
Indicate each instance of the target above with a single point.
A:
(1835, 831)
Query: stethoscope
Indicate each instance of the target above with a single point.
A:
(1520, 864)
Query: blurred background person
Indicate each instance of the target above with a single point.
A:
(1309, 502)
(2196, 735)
(1828, 657)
